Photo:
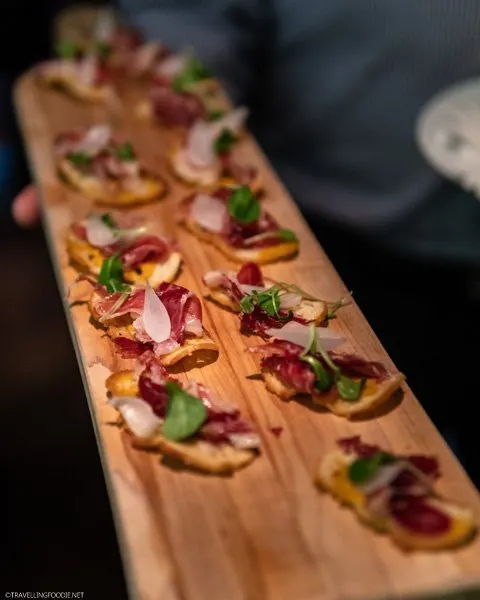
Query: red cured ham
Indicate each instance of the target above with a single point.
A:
(418, 515)
(176, 110)
(146, 249)
(183, 307)
(292, 372)
(224, 422)
(259, 321)
(250, 274)
(355, 445)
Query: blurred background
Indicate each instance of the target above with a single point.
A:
(332, 150)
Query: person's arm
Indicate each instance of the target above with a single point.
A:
(224, 35)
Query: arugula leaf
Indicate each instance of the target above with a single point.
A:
(224, 142)
(125, 152)
(185, 413)
(107, 219)
(363, 469)
(79, 159)
(68, 50)
(323, 379)
(111, 275)
(215, 115)
(243, 206)
(194, 71)
(287, 235)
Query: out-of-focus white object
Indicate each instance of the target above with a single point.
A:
(448, 134)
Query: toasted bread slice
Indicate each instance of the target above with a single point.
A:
(90, 259)
(261, 256)
(149, 188)
(332, 477)
(200, 454)
(122, 327)
(210, 178)
(76, 89)
(373, 395)
(313, 311)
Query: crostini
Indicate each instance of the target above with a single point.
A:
(143, 258)
(166, 320)
(83, 76)
(105, 170)
(232, 220)
(302, 360)
(182, 421)
(206, 154)
(182, 91)
(264, 303)
(395, 494)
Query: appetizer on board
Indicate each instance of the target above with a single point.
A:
(266, 304)
(82, 75)
(301, 360)
(105, 170)
(182, 91)
(184, 421)
(166, 319)
(206, 156)
(232, 220)
(395, 494)
(142, 257)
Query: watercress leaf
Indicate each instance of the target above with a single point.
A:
(224, 142)
(323, 379)
(349, 389)
(125, 151)
(111, 274)
(287, 235)
(215, 115)
(185, 414)
(247, 304)
(243, 206)
(79, 159)
(103, 50)
(194, 71)
(108, 220)
(363, 469)
(67, 50)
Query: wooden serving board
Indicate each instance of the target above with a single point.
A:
(265, 533)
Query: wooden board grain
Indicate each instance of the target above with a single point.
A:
(265, 533)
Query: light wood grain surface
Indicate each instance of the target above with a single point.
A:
(265, 533)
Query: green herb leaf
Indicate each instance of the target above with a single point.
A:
(194, 71)
(312, 341)
(349, 389)
(363, 469)
(287, 235)
(125, 152)
(267, 300)
(215, 115)
(107, 219)
(103, 50)
(111, 275)
(185, 413)
(79, 159)
(247, 303)
(323, 379)
(243, 206)
(68, 50)
(224, 142)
